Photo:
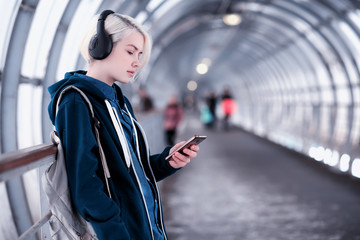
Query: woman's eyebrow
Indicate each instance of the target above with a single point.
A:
(132, 45)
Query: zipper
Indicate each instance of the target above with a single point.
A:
(133, 121)
(152, 173)
(121, 135)
(136, 140)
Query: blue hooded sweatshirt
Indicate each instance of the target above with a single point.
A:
(124, 216)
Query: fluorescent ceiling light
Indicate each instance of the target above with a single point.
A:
(202, 68)
(192, 85)
(232, 19)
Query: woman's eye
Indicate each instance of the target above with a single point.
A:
(131, 53)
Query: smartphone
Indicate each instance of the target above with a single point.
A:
(195, 140)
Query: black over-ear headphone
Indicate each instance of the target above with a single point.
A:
(100, 45)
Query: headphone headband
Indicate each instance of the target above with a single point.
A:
(104, 14)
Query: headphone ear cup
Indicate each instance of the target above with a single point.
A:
(100, 46)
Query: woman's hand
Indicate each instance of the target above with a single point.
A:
(179, 159)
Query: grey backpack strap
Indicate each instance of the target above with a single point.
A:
(96, 125)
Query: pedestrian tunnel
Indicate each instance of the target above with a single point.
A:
(292, 67)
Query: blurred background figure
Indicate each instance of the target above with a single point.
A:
(190, 103)
(173, 114)
(211, 102)
(228, 106)
(205, 116)
(146, 103)
(208, 111)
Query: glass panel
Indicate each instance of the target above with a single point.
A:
(356, 94)
(343, 96)
(30, 134)
(293, 7)
(319, 9)
(340, 5)
(272, 30)
(43, 28)
(286, 17)
(141, 17)
(353, 42)
(308, 72)
(322, 75)
(289, 71)
(152, 4)
(355, 17)
(327, 96)
(298, 74)
(272, 86)
(338, 74)
(278, 74)
(336, 67)
(79, 24)
(355, 130)
(324, 123)
(298, 118)
(306, 97)
(310, 120)
(7, 226)
(8, 10)
(165, 7)
(322, 46)
(315, 97)
(341, 125)
(32, 189)
(29, 115)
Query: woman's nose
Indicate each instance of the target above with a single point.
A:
(136, 63)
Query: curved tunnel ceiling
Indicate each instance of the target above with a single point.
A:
(292, 66)
(268, 28)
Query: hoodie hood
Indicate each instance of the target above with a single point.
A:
(72, 78)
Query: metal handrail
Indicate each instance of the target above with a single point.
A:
(11, 160)
(20, 161)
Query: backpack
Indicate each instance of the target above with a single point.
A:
(65, 222)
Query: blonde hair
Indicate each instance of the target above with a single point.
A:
(118, 26)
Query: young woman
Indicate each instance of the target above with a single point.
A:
(134, 209)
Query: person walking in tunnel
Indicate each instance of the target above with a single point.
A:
(210, 101)
(116, 48)
(146, 103)
(173, 115)
(228, 106)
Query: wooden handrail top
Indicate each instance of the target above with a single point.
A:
(23, 157)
